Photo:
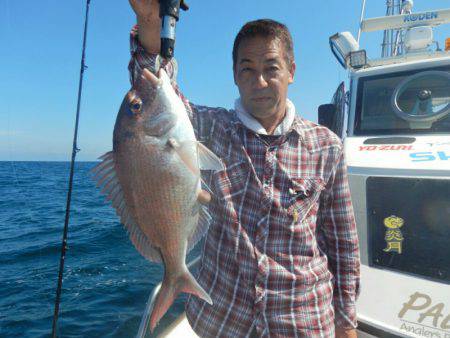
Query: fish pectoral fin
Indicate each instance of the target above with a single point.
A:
(185, 151)
(207, 159)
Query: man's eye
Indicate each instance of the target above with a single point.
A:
(273, 68)
(246, 69)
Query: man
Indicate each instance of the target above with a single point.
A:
(281, 255)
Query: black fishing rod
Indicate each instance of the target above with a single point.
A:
(169, 12)
(72, 164)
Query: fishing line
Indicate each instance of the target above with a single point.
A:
(72, 163)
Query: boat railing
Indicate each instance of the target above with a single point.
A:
(151, 301)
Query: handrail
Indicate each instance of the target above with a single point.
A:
(363, 10)
(151, 300)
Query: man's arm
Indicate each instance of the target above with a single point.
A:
(337, 223)
(145, 46)
(149, 24)
(145, 41)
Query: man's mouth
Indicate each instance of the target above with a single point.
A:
(261, 99)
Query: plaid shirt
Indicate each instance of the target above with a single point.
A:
(281, 255)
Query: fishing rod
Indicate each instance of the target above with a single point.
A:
(169, 12)
(72, 164)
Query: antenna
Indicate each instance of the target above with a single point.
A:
(398, 21)
(405, 21)
(392, 37)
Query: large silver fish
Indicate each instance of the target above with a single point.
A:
(152, 177)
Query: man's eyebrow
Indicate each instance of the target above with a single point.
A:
(245, 60)
(271, 60)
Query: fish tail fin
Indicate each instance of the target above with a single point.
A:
(190, 285)
(170, 290)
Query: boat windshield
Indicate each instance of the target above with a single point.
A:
(412, 102)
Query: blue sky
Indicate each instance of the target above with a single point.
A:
(40, 60)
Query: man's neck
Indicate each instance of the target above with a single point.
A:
(271, 123)
(277, 124)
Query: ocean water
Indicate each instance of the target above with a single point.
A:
(106, 282)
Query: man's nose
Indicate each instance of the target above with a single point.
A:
(260, 81)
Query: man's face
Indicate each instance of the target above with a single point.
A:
(262, 76)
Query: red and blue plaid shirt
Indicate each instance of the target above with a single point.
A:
(281, 255)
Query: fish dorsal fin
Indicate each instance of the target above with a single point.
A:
(106, 178)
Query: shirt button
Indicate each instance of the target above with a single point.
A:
(259, 294)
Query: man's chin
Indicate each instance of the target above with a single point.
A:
(261, 113)
(261, 109)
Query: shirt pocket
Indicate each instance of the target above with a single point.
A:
(303, 197)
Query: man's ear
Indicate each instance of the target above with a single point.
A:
(234, 75)
(292, 72)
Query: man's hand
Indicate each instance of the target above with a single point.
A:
(346, 333)
(204, 197)
(149, 24)
(143, 8)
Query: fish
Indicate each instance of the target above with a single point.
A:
(153, 179)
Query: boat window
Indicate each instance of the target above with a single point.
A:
(407, 102)
(409, 225)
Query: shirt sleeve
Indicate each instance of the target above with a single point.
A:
(202, 118)
(339, 228)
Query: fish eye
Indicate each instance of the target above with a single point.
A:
(136, 106)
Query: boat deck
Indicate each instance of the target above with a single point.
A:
(181, 328)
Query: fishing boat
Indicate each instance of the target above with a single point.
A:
(396, 115)
(397, 146)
